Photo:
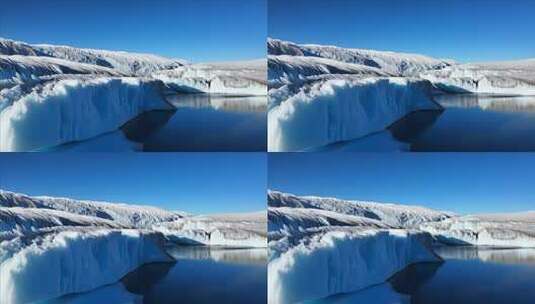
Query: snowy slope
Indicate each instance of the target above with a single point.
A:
(344, 108)
(123, 62)
(394, 215)
(18, 69)
(400, 64)
(240, 78)
(127, 215)
(506, 77)
(52, 264)
(497, 230)
(72, 109)
(17, 221)
(230, 230)
(285, 69)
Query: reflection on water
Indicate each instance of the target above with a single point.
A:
(199, 275)
(471, 123)
(203, 123)
(471, 275)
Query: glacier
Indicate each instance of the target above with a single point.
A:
(333, 110)
(52, 95)
(321, 95)
(83, 244)
(323, 246)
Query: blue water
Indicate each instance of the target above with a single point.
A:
(471, 123)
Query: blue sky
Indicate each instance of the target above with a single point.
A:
(196, 30)
(465, 30)
(459, 182)
(193, 182)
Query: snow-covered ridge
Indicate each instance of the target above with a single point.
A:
(505, 77)
(124, 62)
(134, 216)
(395, 215)
(344, 108)
(400, 64)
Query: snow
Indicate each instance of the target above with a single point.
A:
(241, 78)
(134, 216)
(400, 64)
(337, 262)
(496, 230)
(123, 62)
(394, 215)
(341, 109)
(74, 261)
(66, 110)
(502, 78)
(229, 230)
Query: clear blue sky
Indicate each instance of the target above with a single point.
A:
(465, 30)
(463, 183)
(193, 182)
(196, 30)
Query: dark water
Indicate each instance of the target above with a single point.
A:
(471, 123)
(199, 123)
(203, 123)
(470, 275)
(200, 275)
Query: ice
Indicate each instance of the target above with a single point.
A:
(502, 78)
(239, 78)
(496, 230)
(229, 230)
(74, 261)
(332, 110)
(67, 110)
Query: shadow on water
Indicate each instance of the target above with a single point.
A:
(203, 123)
(471, 123)
(142, 279)
(410, 279)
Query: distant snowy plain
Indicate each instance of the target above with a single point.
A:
(319, 95)
(83, 245)
(320, 247)
(51, 95)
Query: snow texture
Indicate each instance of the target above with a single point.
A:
(128, 215)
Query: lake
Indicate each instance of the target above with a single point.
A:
(200, 122)
(200, 275)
